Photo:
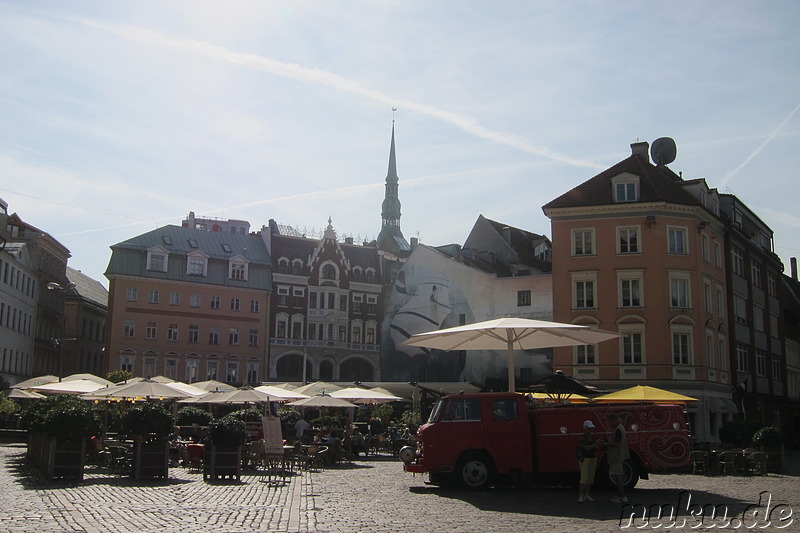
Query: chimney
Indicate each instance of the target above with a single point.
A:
(414, 242)
(348, 240)
(793, 262)
(507, 234)
(641, 148)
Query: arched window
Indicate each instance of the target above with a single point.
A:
(328, 272)
(326, 371)
(356, 369)
(290, 368)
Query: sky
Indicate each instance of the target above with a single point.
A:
(117, 118)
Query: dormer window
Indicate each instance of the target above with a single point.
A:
(157, 259)
(237, 268)
(625, 188)
(193, 243)
(226, 248)
(197, 264)
(167, 239)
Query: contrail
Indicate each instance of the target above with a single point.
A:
(757, 151)
(327, 79)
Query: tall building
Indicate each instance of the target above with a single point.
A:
(48, 269)
(791, 320)
(85, 312)
(326, 307)
(755, 314)
(189, 304)
(639, 250)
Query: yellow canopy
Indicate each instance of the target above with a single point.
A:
(558, 398)
(644, 393)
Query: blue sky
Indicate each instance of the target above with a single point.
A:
(119, 117)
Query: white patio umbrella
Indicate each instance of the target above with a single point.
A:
(213, 384)
(281, 394)
(76, 386)
(91, 377)
(243, 395)
(359, 395)
(191, 390)
(21, 394)
(32, 382)
(510, 334)
(318, 387)
(146, 389)
(322, 401)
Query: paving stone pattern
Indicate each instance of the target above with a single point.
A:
(372, 495)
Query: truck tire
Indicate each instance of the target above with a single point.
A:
(631, 470)
(475, 471)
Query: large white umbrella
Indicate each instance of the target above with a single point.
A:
(22, 394)
(244, 395)
(212, 384)
(141, 389)
(318, 387)
(76, 386)
(280, 393)
(510, 334)
(91, 377)
(191, 390)
(32, 382)
(359, 395)
(322, 401)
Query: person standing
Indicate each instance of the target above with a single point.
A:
(616, 455)
(587, 458)
(300, 427)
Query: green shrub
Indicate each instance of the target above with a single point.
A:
(117, 376)
(147, 419)
(63, 417)
(768, 437)
(227, 431)
(189, 415)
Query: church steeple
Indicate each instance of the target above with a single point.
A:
(390, 209)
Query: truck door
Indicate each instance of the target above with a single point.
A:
(508, 436)
(461, 429)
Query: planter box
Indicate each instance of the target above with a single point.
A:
(57, 459)
(221, 462)
(150, 460)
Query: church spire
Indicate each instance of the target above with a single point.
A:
(390, 209)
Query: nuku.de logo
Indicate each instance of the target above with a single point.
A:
(686, 514)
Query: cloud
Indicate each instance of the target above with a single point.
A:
(327, 79)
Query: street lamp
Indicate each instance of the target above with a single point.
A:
(53, 286)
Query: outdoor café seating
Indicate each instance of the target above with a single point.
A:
(195, 453)
(699, 460)
(757, 463)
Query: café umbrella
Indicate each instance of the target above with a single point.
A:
(281, 394)
(322, 400)
(644, 393)
(359, 395)
(510, 334)
(76, 386)
(145, 389)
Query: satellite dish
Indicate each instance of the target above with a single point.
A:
(663, 151)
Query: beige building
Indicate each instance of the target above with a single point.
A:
(190, 304)
(639, 250)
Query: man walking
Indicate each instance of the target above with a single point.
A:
(616, 454)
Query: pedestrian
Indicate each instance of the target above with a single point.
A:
(616, 455)
(587, 458)
(300, 428)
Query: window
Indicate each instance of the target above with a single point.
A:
(681, 348)
(171, 369)
(737, 261)
(239, 270)
(281, 329)
(150, 367)
(776, 368)
(761, 362)
(157, 261)
(583, 291)
(297, 328)
(342, 333)
(631, 348)
(167, 240)
(626, 188)
(758, 318)
(150, 331)
(255, 306)
(772, 284)
(370, 335)
(328, 272)
(233, 336)
(629, 292)
(252, 340)
(312, 300)
(356, 335)
(213, 335)
(126, 363)
(215, 302)
(584, 354)
(676, 238)
(717, 255)
(129, 329)
(357, 300)
(342, 302)
(505, 410)
(372, 302)
(740, 308)
(723, 355)
(720, 302)
(233, 371)
(174, 298)
(197, 264)
(298, 297)
(462, 410)
(191, 371)
(705, 250)
(283, 296)
(710, 349)
(523, 298)
(132, 294)
(741, 357)
(707, 299)
(192, 243)
(234, 304)
(211, 369)
(252, 372)
(679, 292)
(153, 297)
(628, 240)
(755, 272)
(583, 242)
(226, 248)
(172, 332)
(194, 300)
(194, 334)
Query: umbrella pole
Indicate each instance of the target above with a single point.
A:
(512, 386)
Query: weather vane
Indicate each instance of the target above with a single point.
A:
(393, 110)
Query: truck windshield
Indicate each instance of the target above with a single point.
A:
(437, 410)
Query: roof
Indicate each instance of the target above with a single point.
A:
(657, 184)
(88, 288)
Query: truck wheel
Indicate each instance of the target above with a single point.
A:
(475, 471)
(631, 473)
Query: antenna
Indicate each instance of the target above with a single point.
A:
(663, 151)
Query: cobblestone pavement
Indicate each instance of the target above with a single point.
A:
(369, 495)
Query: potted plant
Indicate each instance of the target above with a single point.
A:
(59, 427)
(149, 425)
(769, 439)
(223, 451)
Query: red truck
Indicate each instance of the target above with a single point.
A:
(478, 439)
